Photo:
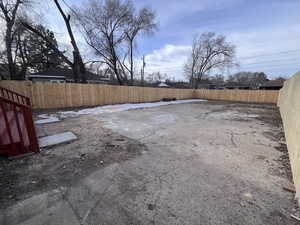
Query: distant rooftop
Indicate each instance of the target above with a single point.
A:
(273, 83)
(62, 73)
(162, 84)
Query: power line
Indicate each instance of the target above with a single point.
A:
(253, 67)
(260, 64)
(272, 61)
(272, 66)
(250, 57)
(274, 53)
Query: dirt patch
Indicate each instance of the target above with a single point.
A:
(267, 114)
(271, 115)
(214, 168)
(66, 164)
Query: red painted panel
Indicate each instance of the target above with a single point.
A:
(17, 131)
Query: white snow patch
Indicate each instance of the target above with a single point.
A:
(44, 116)
(50, 119)
(122, 107)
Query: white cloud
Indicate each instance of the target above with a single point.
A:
(169, 59)
(266, 40)
(271, 49)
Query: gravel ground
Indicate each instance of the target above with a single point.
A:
(196, 163)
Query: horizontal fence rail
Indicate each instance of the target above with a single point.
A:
(61, 95)
(45, 95)
(255, 96)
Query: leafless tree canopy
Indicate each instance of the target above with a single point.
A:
(110, 28)
(78, 66)
(8, 12)
(251, 79)
(209, 52)
(156, 77)
(102, 25)
(140, 21)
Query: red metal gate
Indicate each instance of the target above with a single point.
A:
(17, 131)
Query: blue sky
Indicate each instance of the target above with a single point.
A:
(266, 33)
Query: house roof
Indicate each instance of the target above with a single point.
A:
(163, 85)
(273, 83)
(237, 86)
(63, 73)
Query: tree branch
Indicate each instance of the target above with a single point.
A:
(51, 45)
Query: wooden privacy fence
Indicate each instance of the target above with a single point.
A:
(258, 96)
(289, 106)
(61, 95)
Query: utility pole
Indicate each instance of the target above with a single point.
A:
(143, 71)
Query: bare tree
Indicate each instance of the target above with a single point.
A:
(217, 79)
(142, 71)
(209, 52)
(31, 51)
(34, 30)
(77, 65)
(142, 21)
(9, 10)
(156, 77)
(251, 79)
(191, 64)
(103, 26)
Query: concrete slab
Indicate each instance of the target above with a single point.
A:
(39, 209)
(48, 120)
(202, 163)
(40, 131)
(57, 139)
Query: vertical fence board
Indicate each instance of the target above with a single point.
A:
(56, 95)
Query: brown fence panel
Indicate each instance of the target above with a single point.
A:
(289, 105)
(258, 96)
(55, 95)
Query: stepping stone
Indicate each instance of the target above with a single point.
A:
(57, 139)
(48, 120)
(40, 132)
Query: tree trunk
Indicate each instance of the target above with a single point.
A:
(82, 71)
(78, 68)
(78, 65)
(75, 67)
(131, 62)
(8, 45)
(196, 83)
(116, 71)
(114, 60)
(22, 74)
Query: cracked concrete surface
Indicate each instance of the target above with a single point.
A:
(204, 164)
